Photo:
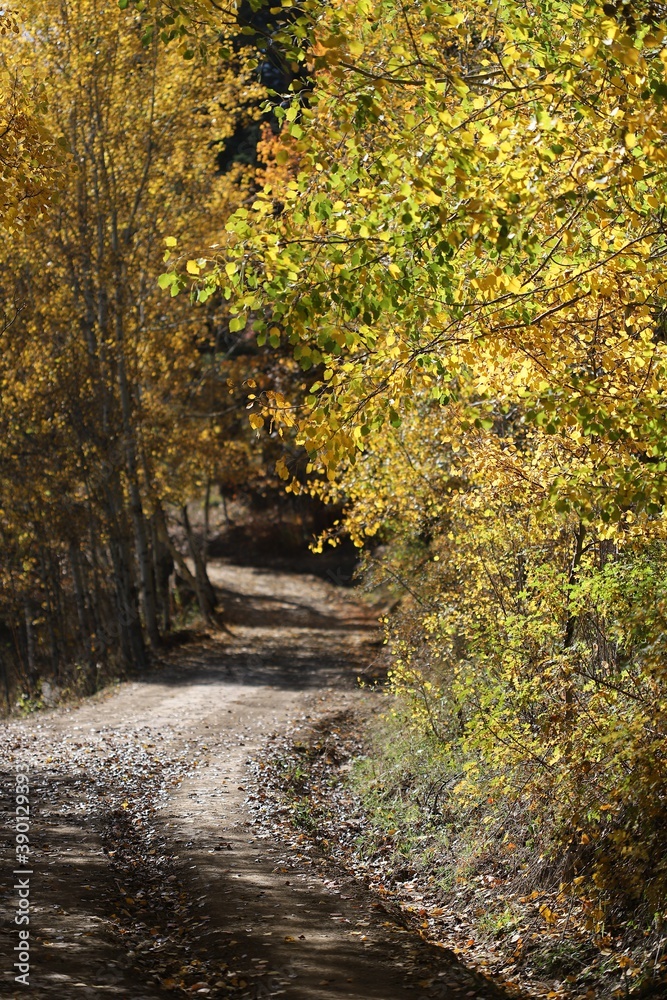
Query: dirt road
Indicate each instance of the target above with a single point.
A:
(148, 877)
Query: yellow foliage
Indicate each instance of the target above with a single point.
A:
(109, 420)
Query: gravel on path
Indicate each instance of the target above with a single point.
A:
(149, 878)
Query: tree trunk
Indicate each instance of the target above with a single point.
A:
(207, 514)
(127, 611)
(80, 599)
(5, 675)
(129, 622)
(136, 507)
(96, 605)
(29, 639)
(206, 594)
(163, 563)
(206, 605)
(50, 609)
(225, 509)
(142, 549)
(570, 625)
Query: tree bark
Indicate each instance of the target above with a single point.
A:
(136, 506)
(570, 625)
(51, 616)
(205, 592)
(207, 514)
(128, 619)
(163, 567)
(5, 675)
(85, 629)
(206, 606)
(29, 639)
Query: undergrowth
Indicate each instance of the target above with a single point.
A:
(373, 794)
(500, 869)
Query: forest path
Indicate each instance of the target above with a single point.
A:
(148, 878)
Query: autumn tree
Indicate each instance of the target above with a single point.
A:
(467, 261)
(97, 373)
(31, 156)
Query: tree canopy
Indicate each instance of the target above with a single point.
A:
(474, 212)
(105, 426)
(465, 252)
(448, 225)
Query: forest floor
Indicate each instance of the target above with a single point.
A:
(151, 872)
